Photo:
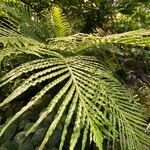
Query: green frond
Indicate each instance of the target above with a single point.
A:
(77, 128)
(31, 66)
(18, 45)
(134, 38)
(92, 99)
(97, 136)
(58, 116)
(32, 81)
(85, 134)
(22, 19)
(18, 41)
(59, 23)
(81, 43)
(102, 104)
(90, 103)
(22, 32)
(25, 21)
(51, 106)
(33, 101)
(125, 121)
(68, 119)
(9, 0)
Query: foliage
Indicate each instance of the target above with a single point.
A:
(58, 22)
(137, 20)
(89, 13)
(27, 22)
(84, 96)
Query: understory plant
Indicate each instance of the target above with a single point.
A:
(71, 78)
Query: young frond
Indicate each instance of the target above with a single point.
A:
(94, 103)
(59, 23)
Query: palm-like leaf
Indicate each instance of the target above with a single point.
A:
(88, 87)
(22, 19)
(83, 42)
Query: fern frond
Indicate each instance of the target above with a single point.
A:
(102, 102)
(22, 19)
(81, 43)
(59, 23)
(61, 110)
(68, 119)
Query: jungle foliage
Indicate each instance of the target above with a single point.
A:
(61, 89)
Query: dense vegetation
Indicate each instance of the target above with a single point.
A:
(74, 74)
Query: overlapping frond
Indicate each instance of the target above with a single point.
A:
(19, 45)
(124, 113)
(22, 32)
(22, 19)
(134, 38)
(83, 42)
(90, 94)
(19, 18)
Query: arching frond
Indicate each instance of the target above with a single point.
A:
(83, 42)
(17, 46)
(21, 19)
(22, 32)
(90, 93)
